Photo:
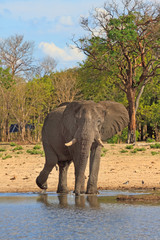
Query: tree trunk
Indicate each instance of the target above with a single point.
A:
(132, 115)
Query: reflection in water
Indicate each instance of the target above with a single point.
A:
(80, 201)
(66, 217)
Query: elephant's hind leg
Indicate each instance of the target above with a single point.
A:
(63, 169)
(51, 161)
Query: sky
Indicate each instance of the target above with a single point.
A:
(50, 24)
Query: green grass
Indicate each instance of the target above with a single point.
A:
(129, 147)
(103, 153)
(140, 149)
(12, 144)
(35, 152)
(2, 149)
(36, 147)
(123, 151)
(18, 148)
(134, 151)
(156, 145)
(7, 156)
(154, 153)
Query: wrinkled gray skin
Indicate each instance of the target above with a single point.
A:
(86, 123)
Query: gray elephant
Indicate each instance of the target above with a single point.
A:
(74, 132)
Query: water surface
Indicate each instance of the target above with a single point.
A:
(53, 216)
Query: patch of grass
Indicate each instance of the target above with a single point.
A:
(35, 152)
(37, 147)
(20, 152)
(2, 149)
(12, 144)
(129, 147)
(154, 153)
(7, 156)
(156, 145)
(149, 140)
(103, 153)
(1, 154)
(18, 148)
(134, 151)
(123, 151)
(140, 149)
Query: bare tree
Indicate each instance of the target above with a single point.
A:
(47, 66)
(65, 84)
(16, 54)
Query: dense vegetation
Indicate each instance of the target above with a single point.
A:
(122, 64)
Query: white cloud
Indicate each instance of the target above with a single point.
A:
(66, 20)
(66, 54)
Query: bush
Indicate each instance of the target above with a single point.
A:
(37, 147)
(18, 148)
(103, 153)
(2, 149)
(156, 145)
(12, 144)
(123, 151)
(129, 147)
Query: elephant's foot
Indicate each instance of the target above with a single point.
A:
(40, 185)
(65, 191)
(62, 189)
(92, 190)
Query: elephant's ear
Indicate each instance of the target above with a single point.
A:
(68, 119)
(116, 118)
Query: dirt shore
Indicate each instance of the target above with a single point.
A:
(121, 168)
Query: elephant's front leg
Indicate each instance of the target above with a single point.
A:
(63, 169)
(94, 168)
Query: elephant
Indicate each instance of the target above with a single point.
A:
(74, 132)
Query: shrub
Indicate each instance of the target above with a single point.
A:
(12, 144)
(103, 153)
(154, 153)
(37, 147)
(34, 152)
(156, 145)
(2, 149)
(123, 151)
(18, 148)
(7, 156)
(129, 147)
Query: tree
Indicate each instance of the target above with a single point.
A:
(47, 66)
(16, 54)
(126, 44)
(65, 84)
(6, 83)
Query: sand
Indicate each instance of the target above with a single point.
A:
(118, 169)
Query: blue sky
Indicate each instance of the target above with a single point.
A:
(51, 24)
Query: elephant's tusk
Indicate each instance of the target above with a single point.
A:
(100, 142)
(73, 141)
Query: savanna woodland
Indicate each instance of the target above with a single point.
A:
(122, 48)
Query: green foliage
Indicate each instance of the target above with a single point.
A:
(150, 140)
(156, 145)
(123, 151)
(7, 156)
(103, 153)
(2, 149)
(37, 147)
(129, 147)
(134, 150)
(35, 152)
(18, 147)
(12, 144)
(154, 153)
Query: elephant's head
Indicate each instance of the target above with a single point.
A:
(86, 123)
